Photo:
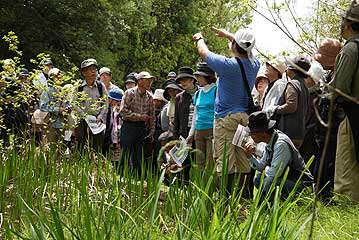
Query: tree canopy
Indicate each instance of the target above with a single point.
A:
(125, 35)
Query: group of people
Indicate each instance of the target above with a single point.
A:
(278, 104)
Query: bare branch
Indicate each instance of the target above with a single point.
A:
(317, 25)
(298, 26)
(261, 53)
(283, 30)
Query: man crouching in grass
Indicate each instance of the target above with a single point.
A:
(279, 154)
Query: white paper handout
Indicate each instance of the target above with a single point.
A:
(180, 151)
(95, 127)
(241, 137)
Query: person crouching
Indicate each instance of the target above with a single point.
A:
(279, 154)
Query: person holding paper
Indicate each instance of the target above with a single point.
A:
(280, 154)
(184, 109)
(202, 121)
(91, 101)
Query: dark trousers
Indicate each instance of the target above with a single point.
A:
(132, 136)
(84, 137)
(309, 148)
(107, 141)
(326, 184)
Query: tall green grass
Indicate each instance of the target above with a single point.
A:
(49, 196)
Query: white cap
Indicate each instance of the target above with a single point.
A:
(54, 71)
(244, 36)
(316, 71)
(159, 95)
(105, 70)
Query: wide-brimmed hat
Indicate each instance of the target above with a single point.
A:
(185, 72)
(352, 13)
(299, 63)
(54, 72)
(278, 65)
(259, 76)
(46, 61)
(204, 70)
(24, 72)
(144, 75)
(171, 86)
(159, 95)
(328, 50)
(259, 122)
(168, 81)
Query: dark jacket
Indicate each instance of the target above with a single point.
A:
(183, 102)
(293, 124)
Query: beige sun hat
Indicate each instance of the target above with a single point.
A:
(159, 95)
(260, 75)
(278, 64)
(144, 75)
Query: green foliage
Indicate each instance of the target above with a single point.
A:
(46, 196)
(154, 35)
(12, 40)
(328, 19)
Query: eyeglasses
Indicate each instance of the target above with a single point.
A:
(90, 69)
(147, 79)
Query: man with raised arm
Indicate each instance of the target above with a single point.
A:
(231, 104)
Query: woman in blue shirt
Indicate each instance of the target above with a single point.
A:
(202, 122)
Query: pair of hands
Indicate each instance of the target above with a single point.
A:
(145, 118)
(171, 168)
(219, 32)
(189, 140)
(249, 149)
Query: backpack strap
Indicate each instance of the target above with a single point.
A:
(246, 84)
(357, 42)
(99, 87)
(80, 89)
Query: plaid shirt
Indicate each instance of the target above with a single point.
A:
(134, 105)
